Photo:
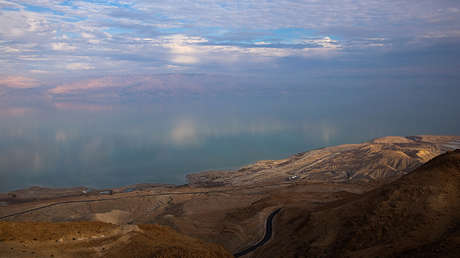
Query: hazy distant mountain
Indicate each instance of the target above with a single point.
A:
(143, 86)
(380, 159)
(114, 88)
(416, 216)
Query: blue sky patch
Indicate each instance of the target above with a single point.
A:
(40, 9)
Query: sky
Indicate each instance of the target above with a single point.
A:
(78, 47)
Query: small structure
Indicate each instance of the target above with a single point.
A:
(293, 178)
(12, 195)
(106, 192)
(128, 190)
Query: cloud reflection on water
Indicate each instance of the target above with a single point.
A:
(104, 147)
(53, 142)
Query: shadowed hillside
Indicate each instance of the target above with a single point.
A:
(97, 239)
(416, 216)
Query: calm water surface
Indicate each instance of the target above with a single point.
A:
(114, 144)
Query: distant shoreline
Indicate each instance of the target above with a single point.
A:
(448, 141)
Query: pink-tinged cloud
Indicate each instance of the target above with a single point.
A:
(104, 82)
(19, 82)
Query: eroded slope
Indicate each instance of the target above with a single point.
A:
(376, 160)
(417, 215)
(97, 239)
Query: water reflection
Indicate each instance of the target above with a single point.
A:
(185, 132)
(113, 144)
(101, 147)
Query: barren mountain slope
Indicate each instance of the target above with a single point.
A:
(230, 215)
(416, 216)
(96, 239)
(376, 160)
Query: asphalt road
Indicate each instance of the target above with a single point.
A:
(136, 196)
(267, 236)
(268, 224)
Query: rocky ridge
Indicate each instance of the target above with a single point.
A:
(417, 215)
(381, 159)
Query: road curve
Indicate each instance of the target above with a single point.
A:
(267, 236)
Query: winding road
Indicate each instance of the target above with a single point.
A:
(267, 236)
(268, 223)
(136, 196)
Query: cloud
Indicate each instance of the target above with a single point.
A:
(79, 66)
(133, 37)
(191, 50)
(184, 59)
(38, 71)
(61, 46)
(90, 84)
(19, 82)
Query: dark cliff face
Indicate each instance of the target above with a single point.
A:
(383, 159)
(417, 215)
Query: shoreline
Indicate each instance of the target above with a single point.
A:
(214, 178)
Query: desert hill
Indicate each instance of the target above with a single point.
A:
(416, 216)
(233, 213)
(97, 239)
(377, 160)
